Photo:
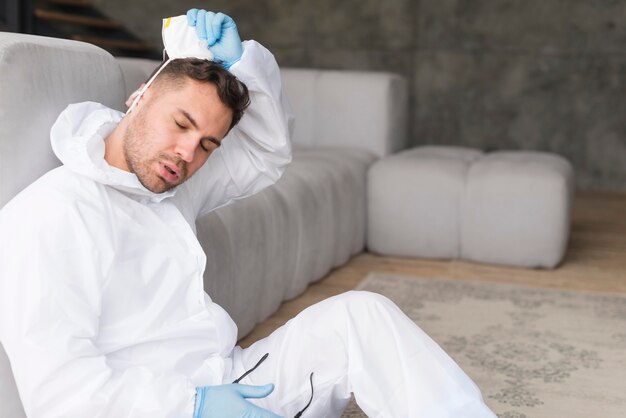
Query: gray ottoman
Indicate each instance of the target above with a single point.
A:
(508, 207)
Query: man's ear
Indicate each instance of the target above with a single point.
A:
(131, 98)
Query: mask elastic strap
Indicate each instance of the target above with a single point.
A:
(145, 87)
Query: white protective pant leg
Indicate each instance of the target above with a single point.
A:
(358, 342)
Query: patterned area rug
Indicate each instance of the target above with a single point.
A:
(535, 353)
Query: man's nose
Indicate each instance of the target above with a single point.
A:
(186, 149)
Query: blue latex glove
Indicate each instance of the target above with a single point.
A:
(221, 33)
(228, 401)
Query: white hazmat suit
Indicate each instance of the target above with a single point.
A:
(102, 306)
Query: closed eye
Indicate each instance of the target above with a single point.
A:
(208, 144)
(179, 125)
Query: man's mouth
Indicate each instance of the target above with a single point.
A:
(169, 172)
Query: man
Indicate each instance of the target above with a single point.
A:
(102, 307)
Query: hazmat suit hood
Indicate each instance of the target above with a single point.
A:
(77, 139)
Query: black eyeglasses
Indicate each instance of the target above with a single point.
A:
(299, 414)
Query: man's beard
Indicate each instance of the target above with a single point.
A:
(135, 150)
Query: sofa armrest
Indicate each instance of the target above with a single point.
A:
(348, 108)
(40, 77)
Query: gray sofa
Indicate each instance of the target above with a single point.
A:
(261, 250)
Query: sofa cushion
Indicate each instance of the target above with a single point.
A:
(269, 247)
(517, 209)
(45, 74)
(414, 201)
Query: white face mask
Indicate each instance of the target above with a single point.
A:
(180, 41)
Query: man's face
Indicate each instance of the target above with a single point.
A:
(173, 133)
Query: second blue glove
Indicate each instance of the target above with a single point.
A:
(228, 401)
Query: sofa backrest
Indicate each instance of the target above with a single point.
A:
(39, 77)
(348, 108)
(332, 108)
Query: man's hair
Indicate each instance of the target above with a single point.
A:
(232, 92)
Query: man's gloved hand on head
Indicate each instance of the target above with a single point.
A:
(220, 31)
(228, 401)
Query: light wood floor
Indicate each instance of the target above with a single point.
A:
(595, 261)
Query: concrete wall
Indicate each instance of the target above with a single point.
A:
(514, 74)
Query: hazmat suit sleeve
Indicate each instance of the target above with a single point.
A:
(256, 151)
(52, 271)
